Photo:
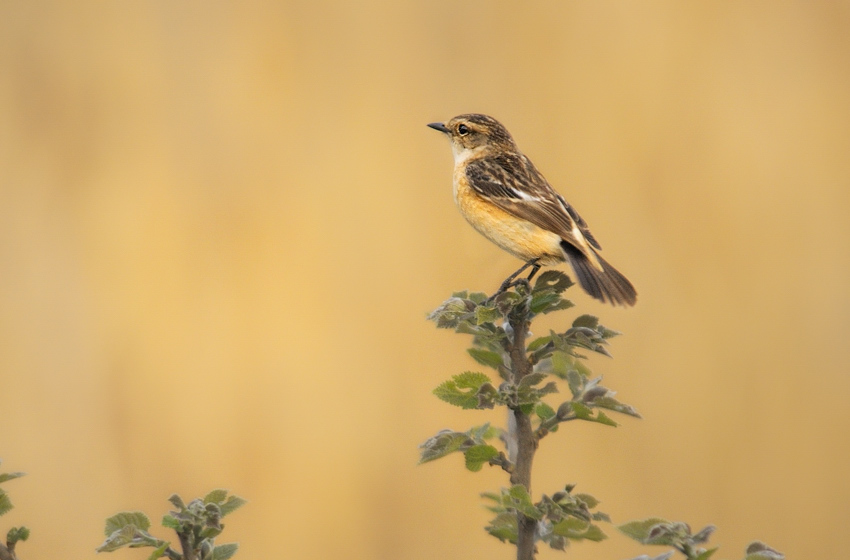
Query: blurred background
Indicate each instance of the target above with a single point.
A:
(222, 226)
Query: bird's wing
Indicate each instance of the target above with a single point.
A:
(511, 182)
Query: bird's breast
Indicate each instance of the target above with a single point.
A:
(515, 235)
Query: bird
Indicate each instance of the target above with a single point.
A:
(504, 197)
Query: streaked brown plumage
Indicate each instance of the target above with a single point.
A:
(503, 196)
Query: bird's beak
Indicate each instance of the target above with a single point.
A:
(439, 126)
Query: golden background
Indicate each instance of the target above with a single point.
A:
(222, 225)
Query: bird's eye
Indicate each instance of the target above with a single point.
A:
(463, 130)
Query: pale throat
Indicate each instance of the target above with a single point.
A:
(462, 154)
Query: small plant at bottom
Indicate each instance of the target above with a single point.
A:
(197, 525)
(15, 534)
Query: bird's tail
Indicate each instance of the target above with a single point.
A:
(606, 285)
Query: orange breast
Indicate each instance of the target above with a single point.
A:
(518, 237)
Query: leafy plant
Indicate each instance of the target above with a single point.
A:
(530, 375)
(15, 534)
(197, 525)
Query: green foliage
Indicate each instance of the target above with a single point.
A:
(561, 518)
(15, 534)
(760, 551)
(472, 443)
(197, 524)
(5, 502)
(678, 535)
(545, 365)
(552, 359)
(462, 390)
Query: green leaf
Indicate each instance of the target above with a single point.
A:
(118, 539)
(452, 312)
(231, 504)
(177, 502)
(602, 418)
(216, 496)
(477, 455)
(443, 444)
(159, 552)
(577, 529)
(477, 297)
(504, 527)
(544, 411)
(485, 314)
(547, 301)
(5, 503)
(593, 533)
(521, 501)
(639, 530)
(532, 379)
(538, 343)
(588, 321)
(706, 554)
(486, 357)
(224, 551)
(171, 522)
(16, 534)
(589, 500)
(553, 280)
(119, 521)
(452, 391)
(611, 403)
(757, 550)
(584, 412)
(10, 476)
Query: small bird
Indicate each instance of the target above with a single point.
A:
(503, 196)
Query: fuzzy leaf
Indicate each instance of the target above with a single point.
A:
(159, 552)
(588, 321)
(706, 554)
(119, 539)
(16, 534)
(553, 280)
(136, 519)
(611, 403)
(479, 454)
(171, 522)
(231, 504)
(462, 390)
(484, 314)
(538, 343)
(544, 411)
(639, 530)
(759, 551)
(224, 551)
(177, 502)
(486, 357)
(532, 379)
(443, 444)
(521, 501)
(216, 496)
(10, 476)
(5, 503)
(504, 527)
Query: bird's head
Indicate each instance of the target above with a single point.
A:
(472, 133)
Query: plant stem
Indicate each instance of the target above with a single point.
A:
(7, 553)
(187, 545)
(523, 436)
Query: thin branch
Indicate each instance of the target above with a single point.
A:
(503, 461)
(523, 434)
